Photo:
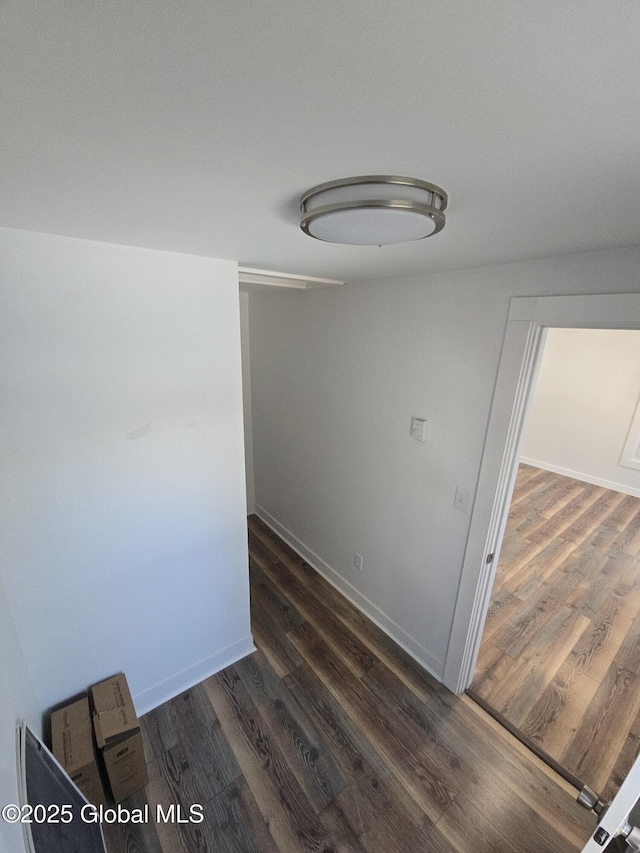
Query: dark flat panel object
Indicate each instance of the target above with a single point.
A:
(49, 788)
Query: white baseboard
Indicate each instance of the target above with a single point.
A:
(371, 610)
(585, 478)
(192, 675)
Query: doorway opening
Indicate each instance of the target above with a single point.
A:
(560, 653)
(530, 320)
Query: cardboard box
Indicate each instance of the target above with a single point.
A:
(118, 737)
(72, 745)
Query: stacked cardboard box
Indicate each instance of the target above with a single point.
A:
(72, 745)
(118, 736)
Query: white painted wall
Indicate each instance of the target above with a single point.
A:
(124, 533)
(246, 402)
(336, 375)
(584, 402)
(17, 702)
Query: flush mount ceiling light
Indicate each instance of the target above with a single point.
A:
(373, 210)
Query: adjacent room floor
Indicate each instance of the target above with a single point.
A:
(560, 654)
(331, 738)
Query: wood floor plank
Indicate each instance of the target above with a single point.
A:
(502, 606)
(352, 750)
(603, 538)
(355, 655)
(593, 590)
(627, 509)
(283, 656)
(631, 574)
(518, 555)
(419, 775)
(633, 546)
(159, 732)
(624, 761)
(296, 736)
(476, 770)
(241, 826)
(584, 562)
(540, 498)
(599, 511)
(527, 471)
(593, 751)
(519, 632)
(560, 587)
(283, 804)
(536, 784)
(213, 763)
(554, 718)
(539, 664)
(535, 483)
(562, 520)
(628, 655)
(364, 823)
(378, 643)
(339, 828)
(278, 548)
(381, 810)
(421, 729)
(380, 646)
(599, 644)
(484, 838)
(540, 567)
(260, 552)
(628, 540)
(523, 524)
(558, 499)
(280, 609)
(171, 782)
(129, 837)
(492, 666)
(570, 545)
(400, 662)
(496, 828)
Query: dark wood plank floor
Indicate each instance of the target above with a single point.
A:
(331, 739)
(560, 655)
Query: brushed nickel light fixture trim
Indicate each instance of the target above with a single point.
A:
(373, 210)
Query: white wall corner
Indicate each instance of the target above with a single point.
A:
(246, 401)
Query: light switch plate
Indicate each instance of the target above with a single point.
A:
(419, 429)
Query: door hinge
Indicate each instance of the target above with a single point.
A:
(490, 558)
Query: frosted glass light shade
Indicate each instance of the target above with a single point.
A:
(373, 210)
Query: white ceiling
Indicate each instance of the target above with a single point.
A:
(194, 126)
